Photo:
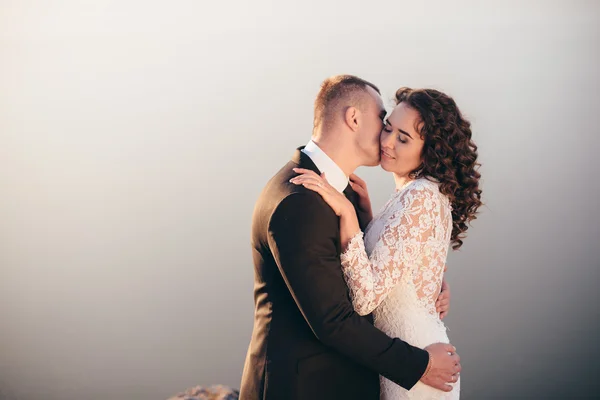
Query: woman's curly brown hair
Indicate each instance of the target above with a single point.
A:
(449, 154)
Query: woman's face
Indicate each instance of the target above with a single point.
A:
(401, 144)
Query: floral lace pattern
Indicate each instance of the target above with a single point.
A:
(417, 224)
(395, 270)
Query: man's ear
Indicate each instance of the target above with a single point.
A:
(352, 117)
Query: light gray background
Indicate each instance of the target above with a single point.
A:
(135, 137)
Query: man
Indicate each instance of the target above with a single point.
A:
(307, 341)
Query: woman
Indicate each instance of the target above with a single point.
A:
(395, 269)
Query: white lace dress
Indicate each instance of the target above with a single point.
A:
(397, 271)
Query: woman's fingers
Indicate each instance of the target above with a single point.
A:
(315, 188)
(315, 184)
(310, 177)
(354, 178)
(307, 179)
(358, 189)
(304, 171)
(308, 172)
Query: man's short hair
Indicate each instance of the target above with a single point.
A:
(336, 92)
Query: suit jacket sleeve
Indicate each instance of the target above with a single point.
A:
(308, 259)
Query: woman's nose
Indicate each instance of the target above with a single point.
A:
(386, 140)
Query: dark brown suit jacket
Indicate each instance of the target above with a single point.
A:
(307, 341)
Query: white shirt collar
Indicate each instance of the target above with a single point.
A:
(334, 174)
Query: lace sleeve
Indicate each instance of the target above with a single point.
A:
(408, 241)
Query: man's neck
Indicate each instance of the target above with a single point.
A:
(338, 154)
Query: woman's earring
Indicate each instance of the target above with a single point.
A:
(415, 174)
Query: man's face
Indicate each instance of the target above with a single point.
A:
(370, 130)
